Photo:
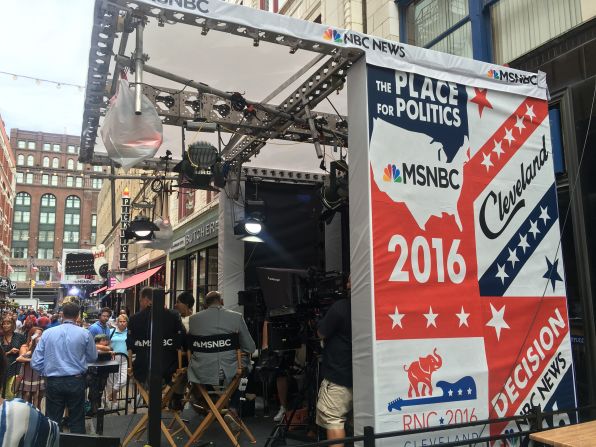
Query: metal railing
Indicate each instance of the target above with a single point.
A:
(534, 420)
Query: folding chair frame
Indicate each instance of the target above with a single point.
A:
(165, 400)
(216, 408)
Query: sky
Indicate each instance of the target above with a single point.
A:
(44, 39)
(50, 39)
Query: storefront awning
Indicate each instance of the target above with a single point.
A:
(135, 279)
(98, 291)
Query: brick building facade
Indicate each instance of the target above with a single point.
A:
(7, 195)
(55, 207)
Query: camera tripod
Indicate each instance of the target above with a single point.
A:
(309, 389)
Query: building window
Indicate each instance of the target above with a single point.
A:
(97, 169)
(45, 271)
(56, 147)
(48, 200)
(46, 146)
(19, 273)
(30, 160)
(20, 235)
(23, 199)
(69, 181)
(29, 178)
(45, 253)
(55, 163)
(46, 162)
(70, 164)
(22, 216)
(20, 160)
(19, 252)
(20, 177)
(21, 144)
(45, 179)
(31, 145)
(519, 27)
(79, 182)
(96, 183)
(54, 180)
(73, 202)
(93, 228)
(79, 166)
(72, 219)
(46, 236)
(71, 149)
(428, 20)
(71, 236)
(47, 217)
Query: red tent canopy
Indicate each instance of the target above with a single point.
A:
(96, 292)
(135, 279)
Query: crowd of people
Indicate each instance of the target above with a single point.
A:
(46, 357)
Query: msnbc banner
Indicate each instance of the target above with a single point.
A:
(470, 315)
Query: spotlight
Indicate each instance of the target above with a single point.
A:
(253, 225)
(141, 240)
(140, 227)
(73, 291)
(251, 238)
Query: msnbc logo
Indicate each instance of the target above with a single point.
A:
(392, 174)
(494, 74)
(333, 35)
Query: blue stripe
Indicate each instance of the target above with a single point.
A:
(490, 284)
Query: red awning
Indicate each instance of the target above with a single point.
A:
(135, 279)
(99, 290)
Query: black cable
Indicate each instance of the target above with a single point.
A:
(336, 112)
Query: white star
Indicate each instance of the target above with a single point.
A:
(469, 390)
(431, 317)
(501, 273)
(519, 123)
(544, 214)
(512, 256)
(533, 229)
(450, 393)
(498, 320)
(523, 242)
(486, 161)
(530, 112)
(459, 392)
(509, 136)
(498, 149)
(463, 317)
(396, 317)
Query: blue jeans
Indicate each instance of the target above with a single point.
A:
(67, 392)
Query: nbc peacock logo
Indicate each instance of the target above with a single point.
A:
(391, 173)
(493, 74)
(332, 35)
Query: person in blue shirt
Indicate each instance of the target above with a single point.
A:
(62, 356)
(101, 325)
(117, 381)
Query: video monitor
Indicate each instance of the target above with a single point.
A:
(282, 288)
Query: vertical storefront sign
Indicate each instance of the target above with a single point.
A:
(467, 281)
(124, 222)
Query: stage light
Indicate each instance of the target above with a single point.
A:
(253, 225)
(251, 238)
(73, 291)
(142, 227)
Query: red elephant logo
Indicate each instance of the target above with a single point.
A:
(420, 374)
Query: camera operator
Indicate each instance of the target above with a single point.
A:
(335, 395)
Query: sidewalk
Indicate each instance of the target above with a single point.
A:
(119, 425)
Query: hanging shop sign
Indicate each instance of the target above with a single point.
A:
(201, 233)
(178, 244)
(4, 284)
(124, 222)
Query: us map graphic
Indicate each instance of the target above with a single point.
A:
(470, 310)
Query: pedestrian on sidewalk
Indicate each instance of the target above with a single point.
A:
(62, 356)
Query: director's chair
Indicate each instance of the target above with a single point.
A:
(205, 344)
(167, 393)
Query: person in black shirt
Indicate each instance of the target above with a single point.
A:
(335, 395)
(138, 340)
